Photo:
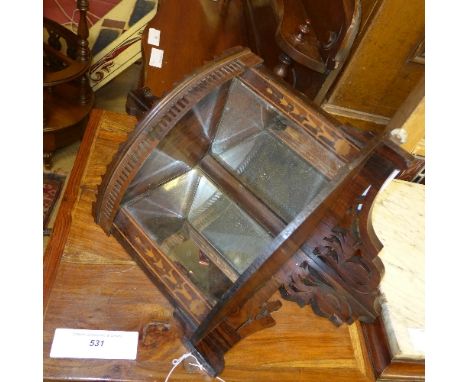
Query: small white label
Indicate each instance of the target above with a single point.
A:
(154, 36)
(156, 57)
(97, 344)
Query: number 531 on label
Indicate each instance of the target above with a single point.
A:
(97, 344)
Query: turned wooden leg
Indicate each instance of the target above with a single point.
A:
(140, 101)
(303, 31)
(83, 50)
(285, 70)
(283, 67)
(47, 158)
(85, 90)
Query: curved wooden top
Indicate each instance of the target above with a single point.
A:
(157, 124)
(165, 114)
(62, 109)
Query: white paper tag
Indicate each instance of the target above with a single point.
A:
(154, 35)
(97, 344)
(156, 57)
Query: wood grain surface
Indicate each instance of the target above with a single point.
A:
(205, 29)
(92, 283)
(379, 75)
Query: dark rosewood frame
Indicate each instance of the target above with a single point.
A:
(326, 257)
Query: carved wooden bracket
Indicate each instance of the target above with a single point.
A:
(341, 252)
(336, 274)
(307, 287)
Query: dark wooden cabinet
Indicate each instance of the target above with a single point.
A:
(213, 27)
(233, 186)
(305, 42)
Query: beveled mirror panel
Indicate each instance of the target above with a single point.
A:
(247, 144)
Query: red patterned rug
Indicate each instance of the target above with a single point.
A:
(52, 185)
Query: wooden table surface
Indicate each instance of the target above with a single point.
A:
(90, 282)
